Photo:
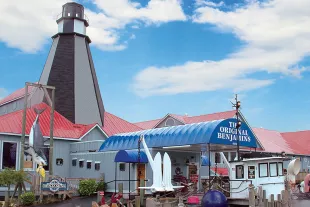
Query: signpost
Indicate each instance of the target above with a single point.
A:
(54, 186)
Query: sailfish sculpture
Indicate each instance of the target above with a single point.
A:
(161, 182)
(36, 148)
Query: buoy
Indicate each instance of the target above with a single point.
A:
(214, 198)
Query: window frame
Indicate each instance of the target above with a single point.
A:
(89, 162)
(17, 153)
(74, 159)
(276, 169)
(81, 161)
(121, 168)
(242, 171)
(62, 161)
(97, 164)
(259, 174)
(282, 171)
(254, 171)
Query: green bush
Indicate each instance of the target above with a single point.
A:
(101, 186)
(87, 187)
(28, 198)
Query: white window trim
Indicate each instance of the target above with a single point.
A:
(17, 153)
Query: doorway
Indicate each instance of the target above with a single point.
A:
(143, 174)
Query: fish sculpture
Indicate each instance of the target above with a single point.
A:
(36, 148)
(161, 182)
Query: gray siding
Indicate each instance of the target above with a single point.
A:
(86, 105)
(12, 106)
(107, 168)
(95, 134)
(162, 124)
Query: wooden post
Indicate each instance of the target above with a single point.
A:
(272, 200)
(51, 152)
(265, 200)
(142, 191)
(137, 201)
(285, 198)
(251, 196)
(279, 201)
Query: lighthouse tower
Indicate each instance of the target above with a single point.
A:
(70, 68)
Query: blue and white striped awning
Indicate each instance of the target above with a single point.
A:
(214, 132)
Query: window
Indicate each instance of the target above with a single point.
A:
(233, 156)
(263, 170)
(251, 172)
(74, 162)
(273, 169)
(88, 165)
(280, 168)
(239, 172)
(217, 158)
(59, 161)
(226, 155)
(9, 155)
(170, 122)
(122, 166)
(81, 163)
(97, 166)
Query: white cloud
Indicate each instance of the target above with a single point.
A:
(3, 93)
(209, 3)
(276, 36)
(27, 25)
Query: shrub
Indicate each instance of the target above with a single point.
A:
(101, 186)
(28, 198)
(87, 187)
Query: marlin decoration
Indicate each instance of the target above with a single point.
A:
(161, 182)
(36, 148)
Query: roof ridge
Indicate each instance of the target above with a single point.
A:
(296, 131)
(211, 113)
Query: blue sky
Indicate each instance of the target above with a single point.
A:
(168, 56)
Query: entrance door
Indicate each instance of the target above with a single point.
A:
(193, 174)
(142, 176)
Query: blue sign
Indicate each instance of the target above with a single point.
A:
(54, 186)
(226, 133)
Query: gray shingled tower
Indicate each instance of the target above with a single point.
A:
(70, 68)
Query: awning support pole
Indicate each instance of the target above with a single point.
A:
(115, 177)
(129, 180)
(209, 151)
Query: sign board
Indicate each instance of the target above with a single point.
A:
(226, 133)
(54, 186)
(101, 193)
(194, 178)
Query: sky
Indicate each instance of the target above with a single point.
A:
(154, 57)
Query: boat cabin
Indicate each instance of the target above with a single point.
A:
(264, 172)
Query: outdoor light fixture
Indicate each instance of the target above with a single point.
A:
(238, 124)
(176, 147)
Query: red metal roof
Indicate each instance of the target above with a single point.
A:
(188, 119)
(115, 125)
(15, 95)
(12, 124)
(272, 141)
(298, 141)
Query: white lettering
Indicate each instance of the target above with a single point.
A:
(230, 133)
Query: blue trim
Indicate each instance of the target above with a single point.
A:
(130, 157)
(213, 132)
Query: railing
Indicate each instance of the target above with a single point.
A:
(58, 16)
